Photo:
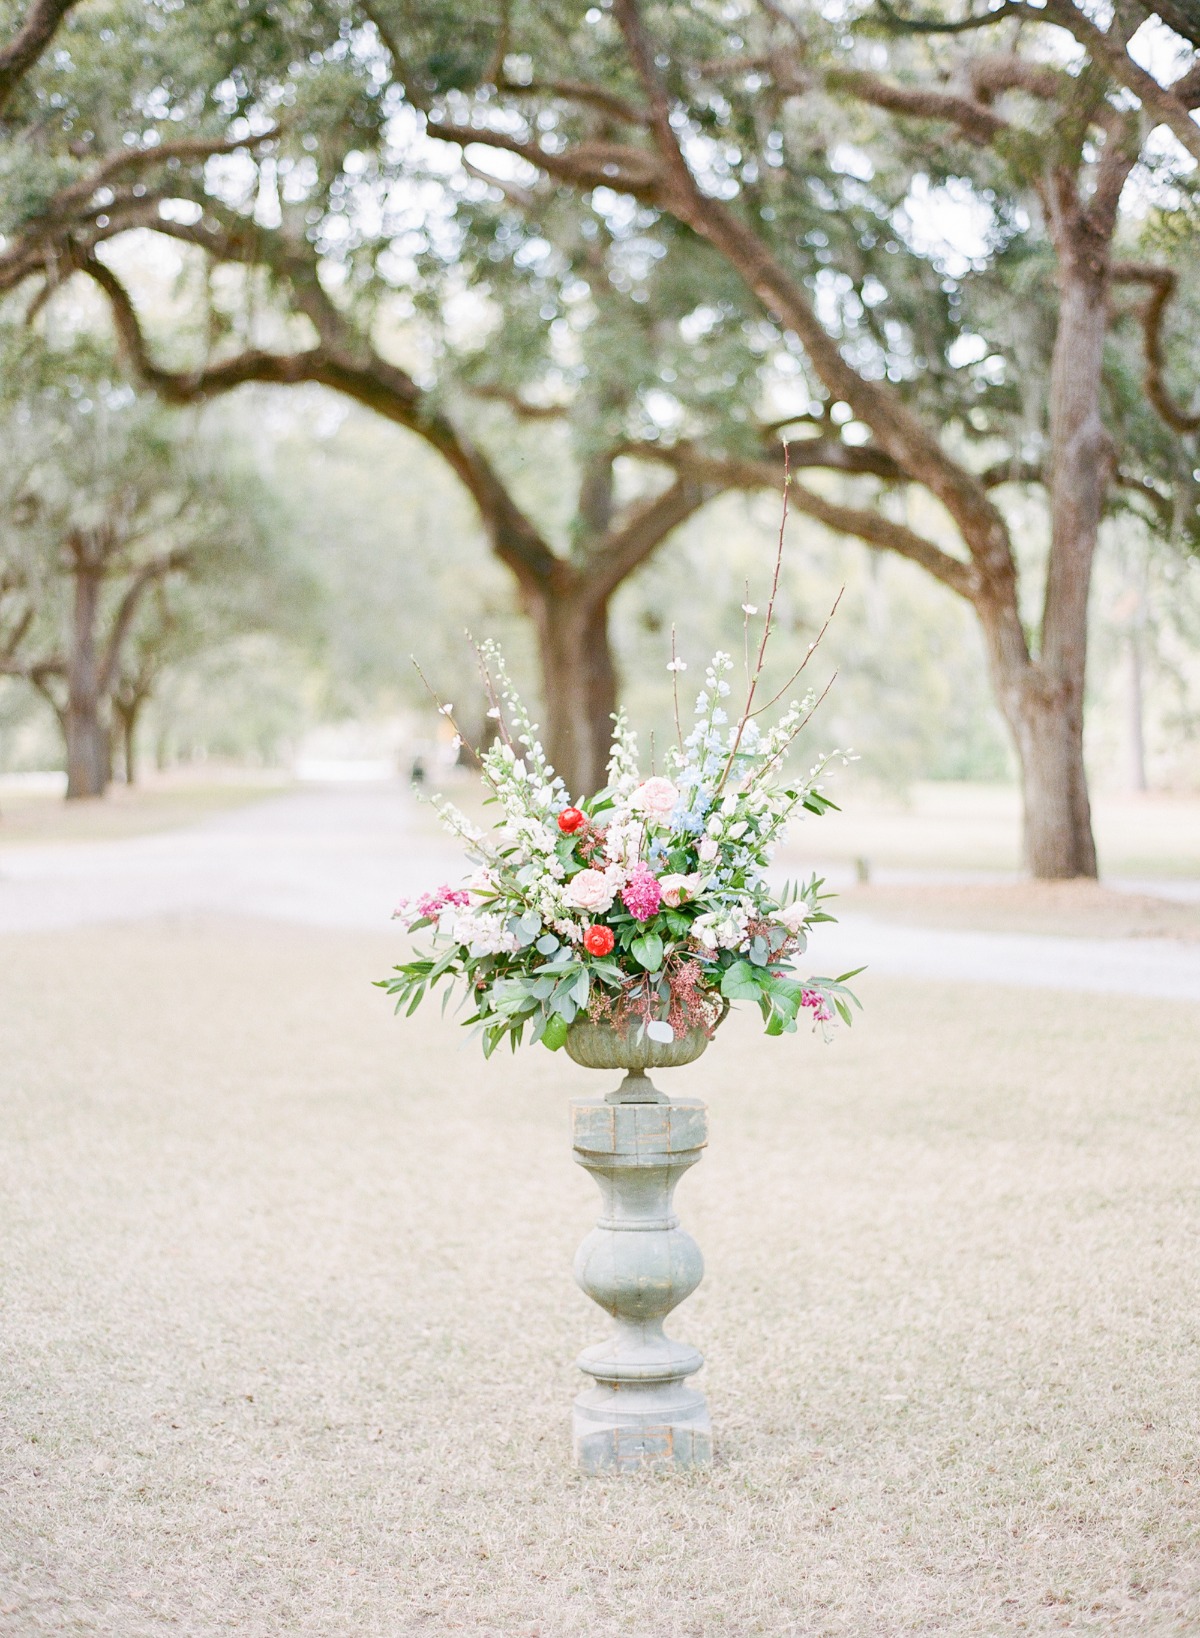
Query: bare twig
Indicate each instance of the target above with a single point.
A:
(811, 650)
(675, 687)
(767, 624)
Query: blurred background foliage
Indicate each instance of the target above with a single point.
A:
(376, 558)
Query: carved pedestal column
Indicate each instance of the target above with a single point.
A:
(638, 1264)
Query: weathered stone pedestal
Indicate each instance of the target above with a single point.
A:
(638, 1264)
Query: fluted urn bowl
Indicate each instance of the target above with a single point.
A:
(602, 1046)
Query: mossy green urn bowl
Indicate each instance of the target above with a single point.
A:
(602, 1046)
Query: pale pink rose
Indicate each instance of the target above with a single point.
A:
(707, 850)
(590, 890)
(795, 916)
(656, 798)
(677, 890)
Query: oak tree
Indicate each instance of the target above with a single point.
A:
(795, 147)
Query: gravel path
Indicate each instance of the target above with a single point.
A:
(341, 856)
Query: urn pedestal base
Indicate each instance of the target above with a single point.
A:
(642, 1411)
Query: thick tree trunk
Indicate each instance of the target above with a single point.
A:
(83, 724)
(1045, 717)
(579, 686)
(1048, 729)
(1058, 819)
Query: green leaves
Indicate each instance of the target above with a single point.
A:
(647, 951)
(741, 982)
(554, 1035)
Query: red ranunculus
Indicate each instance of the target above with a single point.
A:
(598, 941)
(570, 820)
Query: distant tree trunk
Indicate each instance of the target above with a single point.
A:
(83, 723)
(127, 715)
(579, 683)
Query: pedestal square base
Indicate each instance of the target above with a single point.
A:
(609, 1440)
(642, 1429)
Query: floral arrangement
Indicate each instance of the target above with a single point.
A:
(645, 905)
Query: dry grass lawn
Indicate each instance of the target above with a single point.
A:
(288, 1322)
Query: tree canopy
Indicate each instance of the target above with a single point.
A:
(654, 239)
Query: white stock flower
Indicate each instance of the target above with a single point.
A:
(483, 934)
(721, 929)
(623, 840)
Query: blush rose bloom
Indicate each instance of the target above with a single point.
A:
(656, 798)
(590, 890)
(677, 890)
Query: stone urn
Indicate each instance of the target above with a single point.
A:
(642, 1411)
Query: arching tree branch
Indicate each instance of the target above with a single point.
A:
(153, 570)
(869, 526)
(29, 42)
(520, 407)
(974, 119)
(828, 454)
(184, 151)
(358, 372)
(644, 527)
(591, 96)
(1162, 282)
(616, 165)
(916, 449)
(898, 24)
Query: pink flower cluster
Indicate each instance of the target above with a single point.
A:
(817, 1005)
(642, 893)
(432, 904)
